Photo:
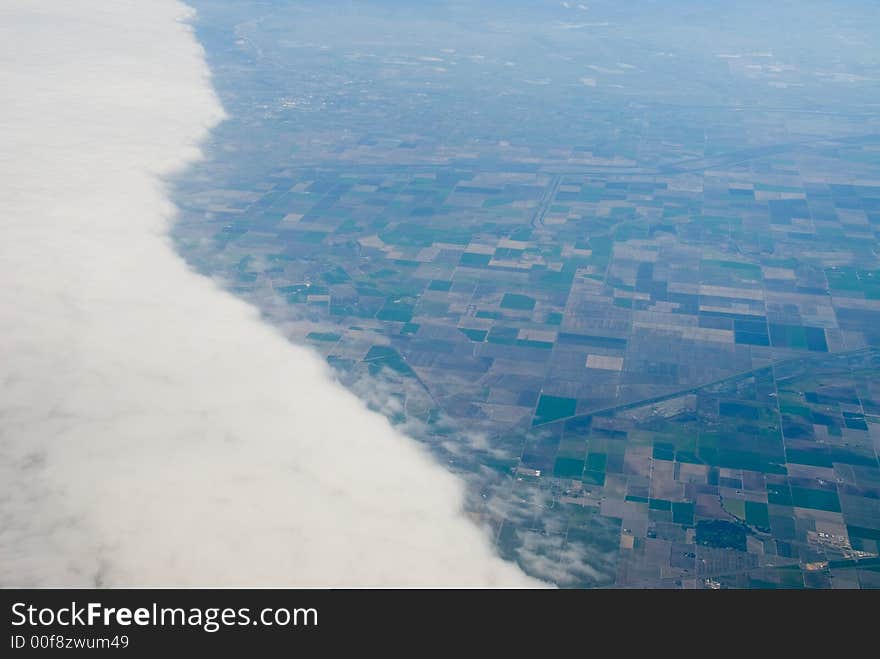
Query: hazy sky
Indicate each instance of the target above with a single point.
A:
(153, 430)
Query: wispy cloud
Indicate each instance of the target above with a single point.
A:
(565, 563)
(152, 429)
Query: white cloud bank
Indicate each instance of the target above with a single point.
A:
(153, 431)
